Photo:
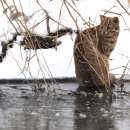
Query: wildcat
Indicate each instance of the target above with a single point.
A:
(92, 50)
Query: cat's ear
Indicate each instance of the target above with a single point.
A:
(102, 17)
(116, 20)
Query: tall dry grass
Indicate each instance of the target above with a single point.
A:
(21, 28)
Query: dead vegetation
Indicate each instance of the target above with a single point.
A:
(19, 20)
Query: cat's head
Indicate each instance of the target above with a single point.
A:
(109, 25)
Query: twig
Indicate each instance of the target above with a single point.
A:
(7, 15)
(47, 17)
(71, 15)
(122, 15)
(107, 11)
(123, 7)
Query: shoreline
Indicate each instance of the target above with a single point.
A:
(40, 80)
(25, 81)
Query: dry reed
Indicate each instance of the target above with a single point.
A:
(22, 29)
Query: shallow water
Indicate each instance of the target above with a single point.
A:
(23, 109)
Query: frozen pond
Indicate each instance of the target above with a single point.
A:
(23, 109)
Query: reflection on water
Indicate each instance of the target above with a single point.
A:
(96, 111)
(22, 109)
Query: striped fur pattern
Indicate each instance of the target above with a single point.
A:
(92, 49)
